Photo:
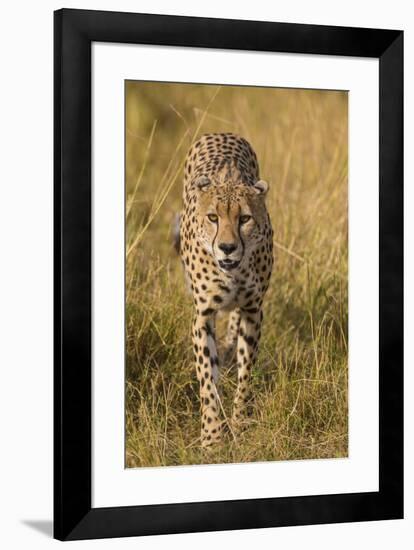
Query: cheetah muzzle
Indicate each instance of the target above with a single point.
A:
(226, 246)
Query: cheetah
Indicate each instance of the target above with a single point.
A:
(226, 247)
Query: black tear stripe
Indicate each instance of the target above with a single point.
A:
(215, 236)
(241, 240)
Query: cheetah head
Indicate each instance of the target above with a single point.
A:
(231, 219)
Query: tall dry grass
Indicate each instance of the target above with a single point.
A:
(300, 381)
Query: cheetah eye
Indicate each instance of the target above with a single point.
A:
(213, 218)
(245, 219)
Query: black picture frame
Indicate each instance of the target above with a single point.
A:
(74, 32)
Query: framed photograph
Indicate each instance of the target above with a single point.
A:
(228, 274)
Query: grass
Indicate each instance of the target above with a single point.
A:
(300, 382)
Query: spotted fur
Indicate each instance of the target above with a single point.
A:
(225, 243)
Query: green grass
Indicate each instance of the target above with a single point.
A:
(301, 378)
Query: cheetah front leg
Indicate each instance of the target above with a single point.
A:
(232, 334)
(206, 358)
(247, 348)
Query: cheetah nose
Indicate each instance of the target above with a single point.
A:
(227, 248)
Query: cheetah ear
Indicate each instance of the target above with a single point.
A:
(203, 182)
(261, 187)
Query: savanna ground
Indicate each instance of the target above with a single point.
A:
(300, 382)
